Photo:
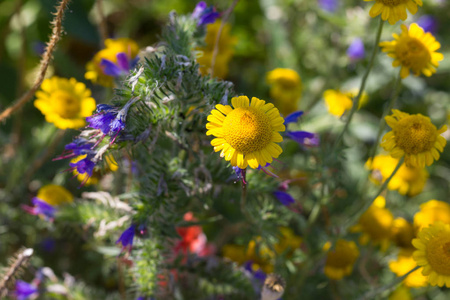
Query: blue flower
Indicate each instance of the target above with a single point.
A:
(285, 198)
(428, 23)
(293, 117)
(122, 67)
(356, 50)
(40, 208)
(106, 114)
(84, 166)
(257, 274)
(302, 137)
(329, 5)
(24, 290)
(126, 238)
(204, 14)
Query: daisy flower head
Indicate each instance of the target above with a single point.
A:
(338, 102)
(431, 212)
(393, 10)
(407, 181)
(413, 50)
(54, 194)
(285, 89)
(247, 133)
(64, 102)
(433, 253)
(118, 58)
(414, 137)
(340, 261)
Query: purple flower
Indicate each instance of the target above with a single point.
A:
(40, 208)
(106, 114)
(122, 67)
(258, 274)
(293, 117)
(428, 23)
(84, 166)
(285, 198)
(126, 238)
(329, 5)
(24, 290)
(204, 14)
(300, 137)
(356, 50)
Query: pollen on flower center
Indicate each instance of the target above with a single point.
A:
(247, 129)
(393, 2)
(438, 254)
(66, 105)
(414, 135)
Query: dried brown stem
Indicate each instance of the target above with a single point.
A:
(57, 30)
(219, 33)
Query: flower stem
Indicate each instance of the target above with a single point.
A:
(396, 93)
(243, 191)
(363, 83)
(366, 206)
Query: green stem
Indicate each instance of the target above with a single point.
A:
(244, 192)
(382, 126)
(363, 83)
(366, 206)
(372, 294)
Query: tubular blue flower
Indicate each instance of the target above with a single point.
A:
(293, 117)
(356, 50)
(284, 198)
(122, 67)
(25, 290)
(79, 146)
(204, 14)
(302, 137)
(102, 120)
(84, 166)
(329, 5)
(258, 274)
(428, 23)
(40, 208)
(126, 238)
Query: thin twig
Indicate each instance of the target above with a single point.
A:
(102, 25)
(226, 16)
(57, 30)
(14, 269)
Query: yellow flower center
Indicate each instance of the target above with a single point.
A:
(247, 129)
(438, 254)
(412, 53)
(415, 134)
(65, 104)
(393, 2)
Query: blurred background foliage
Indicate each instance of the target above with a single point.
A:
(296, 34)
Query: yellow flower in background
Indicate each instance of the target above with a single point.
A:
(403, 265)
(338, 102)
(433, 253)
(110, 166)
(375, 225)
(393, 10)
(414, 50)
(414, 137)
(224, 53)
(407, 181)
(54, 194)
(340, 261)
(247, 134)
(285, 89)
(287, 242)
(95, 69)
(431, 212)
(65, 102)
(401, 293)
(403, 233)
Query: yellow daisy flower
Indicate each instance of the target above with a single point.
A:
(414, 137)
(407, 181)
(403, 265)
(340, 261)
(375, 224)
(65, 102)
(431, 212)
(94, 69)
(414, 50)
(433, 253)
(338, 102)
(393, 10)
(54, 194)
(110, 166)
(401, 293)
(286, 89)
(246, 134)
(403, 233)
(225, 51)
